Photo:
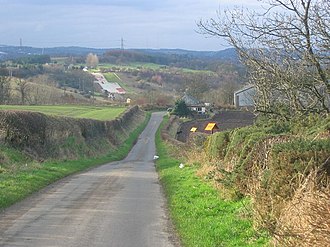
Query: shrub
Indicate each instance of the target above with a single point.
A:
(274, 162)
(216, 145)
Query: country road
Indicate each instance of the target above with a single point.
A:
(118, 204)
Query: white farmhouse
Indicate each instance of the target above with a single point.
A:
(194, 104)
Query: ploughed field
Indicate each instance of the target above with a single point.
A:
(92, 112)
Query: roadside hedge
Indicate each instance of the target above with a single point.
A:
(45, 136)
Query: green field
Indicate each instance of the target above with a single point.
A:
(133, 65)
(92, 112)
(112, 77)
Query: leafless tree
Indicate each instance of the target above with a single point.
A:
(4, 89)
(92, 60)
(196, 85)
(23, 88)
(222, 96)
(286, 51)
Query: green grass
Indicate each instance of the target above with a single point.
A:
(20, 176)
(153, 66)
(146, 65)
(111, 77)
(59, 60)
(200, 216)
(93, 112)
(133, 65)
(194, 71)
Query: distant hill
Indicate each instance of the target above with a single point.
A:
(10, 52)
(227, 54)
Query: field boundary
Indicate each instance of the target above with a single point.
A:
(29, 176)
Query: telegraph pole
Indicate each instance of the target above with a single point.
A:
(122, 43)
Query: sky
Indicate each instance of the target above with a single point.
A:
(103, 23)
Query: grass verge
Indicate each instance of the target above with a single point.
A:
(200, 216)
(24, 176)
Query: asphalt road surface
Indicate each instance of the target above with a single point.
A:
(118, 204)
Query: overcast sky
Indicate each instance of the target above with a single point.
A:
(102, 23)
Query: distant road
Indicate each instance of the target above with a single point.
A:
(119, 204)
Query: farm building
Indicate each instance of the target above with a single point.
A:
(109, 87)
(245, 97)
(194, 104)
(211, 127)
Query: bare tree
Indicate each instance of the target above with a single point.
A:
(23, 88)
(286, 51)
(222, 96)
(4, 89)
(92, 60)
(196, 85)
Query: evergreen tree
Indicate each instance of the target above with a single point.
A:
(181, 109)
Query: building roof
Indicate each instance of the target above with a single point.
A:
(246, 88)
(111, 87)
(120, 90)
(211, 126)
(190, 100)
(193, 129)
